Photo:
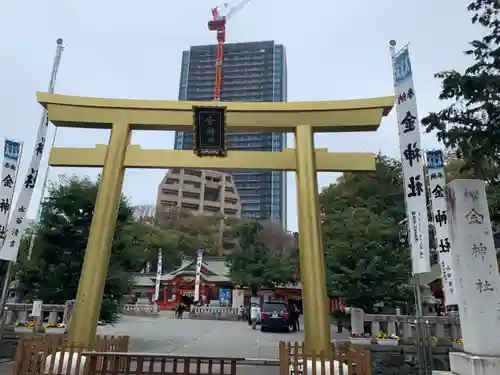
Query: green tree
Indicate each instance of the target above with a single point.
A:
(191, 231)
(256, 261)
(365, 262)
(381, 191)
(53, 272)
(469, 124)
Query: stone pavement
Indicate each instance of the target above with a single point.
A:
(165, 334)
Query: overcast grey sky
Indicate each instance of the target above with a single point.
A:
(132, 49)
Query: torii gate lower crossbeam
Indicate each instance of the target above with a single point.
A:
(122, 116)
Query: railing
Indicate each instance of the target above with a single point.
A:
(212, 312)
(153, 363)
(21, 311)
(140, 309)
(343, 359)
(441, 327)
(62, 313)
(53, 354)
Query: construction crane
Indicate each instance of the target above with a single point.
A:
(220, 15)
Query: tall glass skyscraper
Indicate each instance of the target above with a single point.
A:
(254, 71)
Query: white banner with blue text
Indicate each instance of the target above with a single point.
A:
(197, 280)
(413, 163)
(437, 183)
(11, 157)
(17, 222)
(159, 269)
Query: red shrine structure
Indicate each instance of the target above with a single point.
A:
(178, 285)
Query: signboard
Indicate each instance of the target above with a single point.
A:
(412, 161)
(437, 185)
(36, 311)
(159, 269)
(225, 297)
(199, 262)
(210, 131)
(17, 221)
(11, 157)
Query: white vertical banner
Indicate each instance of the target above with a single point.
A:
(437, 185)
(197, 279)
(11, 157)
(412, 159)
(17, 222)
(159, 269)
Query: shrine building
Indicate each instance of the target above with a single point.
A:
(215, 286)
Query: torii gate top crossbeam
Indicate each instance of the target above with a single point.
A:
(327, 116)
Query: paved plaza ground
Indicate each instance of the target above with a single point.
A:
(205, 338)
(165, 334)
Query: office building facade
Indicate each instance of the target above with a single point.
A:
(254, 71)
(198, 191)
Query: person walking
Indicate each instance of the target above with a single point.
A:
(297, 318)
(241, 312)
(181, 311)
(254, 314)
(292, 321)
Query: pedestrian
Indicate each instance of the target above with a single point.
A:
(340, 325)
(291, 317)
(297, 318)
(181, 311)
(241, 310)
(254, 314)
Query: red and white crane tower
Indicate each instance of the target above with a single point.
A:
(220, 15)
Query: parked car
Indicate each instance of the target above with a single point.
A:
(274, 316)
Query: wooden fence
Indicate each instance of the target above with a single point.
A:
(156, 364)
(344, 359)
(53, 354)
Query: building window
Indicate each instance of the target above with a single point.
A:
(191, 185)
(211, 194)
(172, 181)
(169, 191)
(190, 206)
(230, 211)
(190, 172)
(211, 209)
(187, 194)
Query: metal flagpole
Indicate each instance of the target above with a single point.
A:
(41, 130)
(52, 84)
(419, 342)
(415, 201)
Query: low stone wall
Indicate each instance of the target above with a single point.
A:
(213, 313)
(20, 312)
(141, 310)
(403, 360)
(442, 327)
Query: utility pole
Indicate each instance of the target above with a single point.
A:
(43, 122)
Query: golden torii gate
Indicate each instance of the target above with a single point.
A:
(122, 116)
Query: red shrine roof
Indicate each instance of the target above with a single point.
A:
(213, 270)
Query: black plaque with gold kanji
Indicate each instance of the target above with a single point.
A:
(210, 131)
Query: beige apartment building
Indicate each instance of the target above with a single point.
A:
(202, 191)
